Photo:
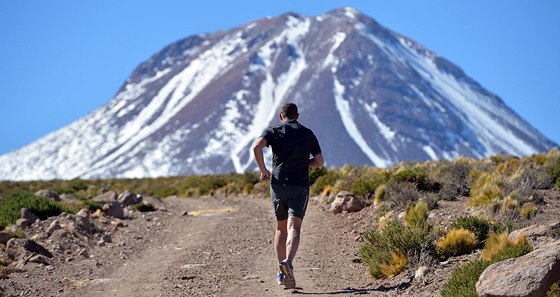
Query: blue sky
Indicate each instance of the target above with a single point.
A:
(62, 59)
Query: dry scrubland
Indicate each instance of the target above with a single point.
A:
(500, 194)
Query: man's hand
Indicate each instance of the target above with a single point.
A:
(257, 150)
(265, 175)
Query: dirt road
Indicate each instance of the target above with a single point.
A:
(224, 248)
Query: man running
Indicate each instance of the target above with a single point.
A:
(292, 145)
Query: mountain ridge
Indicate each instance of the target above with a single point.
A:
(195, 106)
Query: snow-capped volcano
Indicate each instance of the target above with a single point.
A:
(371, 95)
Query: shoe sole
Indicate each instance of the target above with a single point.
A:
(289, 279)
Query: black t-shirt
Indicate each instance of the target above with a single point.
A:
(292, 145)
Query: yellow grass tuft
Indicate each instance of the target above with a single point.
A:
(521, 239)
(394, 266)
(379, 194)
(326, 191)
(487, 187)
(497, 243)
(417, 214)
(510, 204)
(457, 242)
(528, 210)
(384, 219)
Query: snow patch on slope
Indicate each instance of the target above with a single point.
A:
(343, 107)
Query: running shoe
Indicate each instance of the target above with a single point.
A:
(280, 278)
(288, 270)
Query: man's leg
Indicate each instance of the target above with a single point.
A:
(280, 239)
(292, 243)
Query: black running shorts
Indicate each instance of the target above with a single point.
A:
(289, 200)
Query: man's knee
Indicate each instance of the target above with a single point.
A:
(294, 223)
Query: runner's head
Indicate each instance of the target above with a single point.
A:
(289, 111)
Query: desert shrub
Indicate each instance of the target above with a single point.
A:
(73, 186)
(487, 187)
(478, 226)
(554, 290)
(42, 207)
(396, 238)
(509, 165)
(456, 242)
(431, 199)
(498, 242)
(315, 173)
(510, 204)
(248, 188)
(382, 222)
(366, 185)
(379, 194)
(328, 179)
(162, 191)
(553, 166)
(394, 266)
(512, 251)
(19, 233)
(86, 203)
(463, 280)
(417, 176)
(453, 177)
(524, 184)
(528, 210)
(401, 194)
(363, 186)
(417, 215)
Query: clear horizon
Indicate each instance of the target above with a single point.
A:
(63, 61)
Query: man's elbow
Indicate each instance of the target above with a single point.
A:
(319, 161)
(256, 147)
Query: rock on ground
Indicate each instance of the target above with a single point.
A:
(48, 194)
(527, 276)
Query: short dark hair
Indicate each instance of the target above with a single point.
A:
(289, 110)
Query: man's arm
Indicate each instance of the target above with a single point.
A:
(260, 143)
(317, 161)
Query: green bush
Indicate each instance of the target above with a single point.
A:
(315, 173)
(11, 206)
(19, 233)
(90, 204)
(367, 185)
(554, 170)
(512, 251)
(162, 191)
(415, 176)
(328, 179)
(478, 226)
(554, 290)
(417, 216)
(463, 280)
(394, 238)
